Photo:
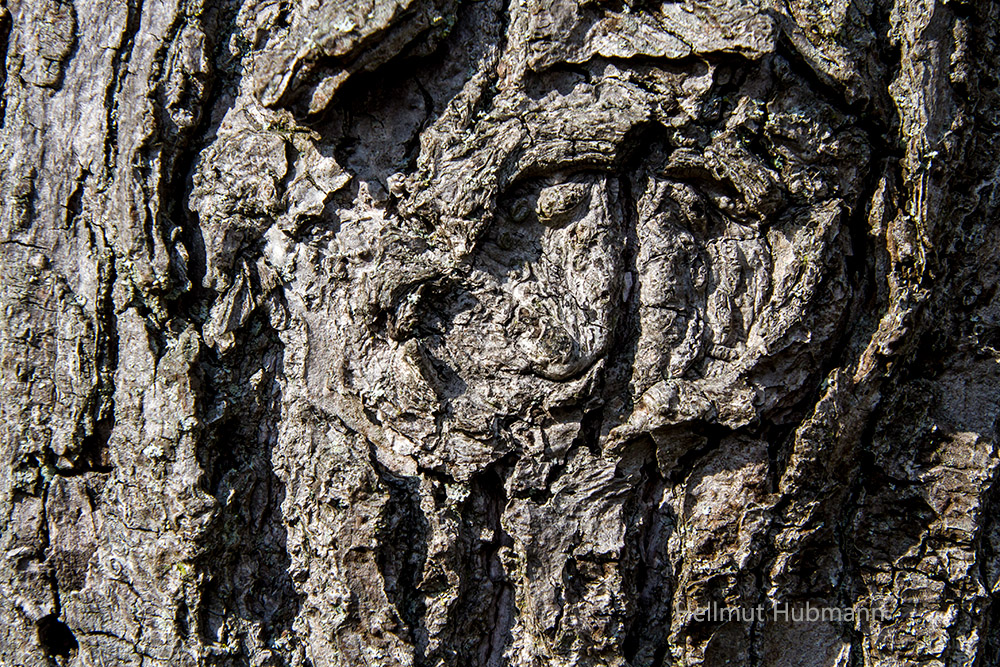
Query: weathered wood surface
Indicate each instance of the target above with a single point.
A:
(479, 333)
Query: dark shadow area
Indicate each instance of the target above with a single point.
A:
(221, 91)
(893, 514)
(643, 147)
(562, 78)
(403, 553)
(246, 560)
(892, 518)
(990, 655)
(380, 114)
(483, 615)
(650, 525)
(56, 638)
(988, 557)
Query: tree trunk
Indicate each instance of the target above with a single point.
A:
(453, 333)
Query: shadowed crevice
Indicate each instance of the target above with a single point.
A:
(402, 554)
(57, 640)
(246, 562)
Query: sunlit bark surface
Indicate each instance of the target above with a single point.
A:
(443, 333)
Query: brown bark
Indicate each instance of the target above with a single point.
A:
(483, 333)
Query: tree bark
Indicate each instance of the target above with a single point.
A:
(451, 333)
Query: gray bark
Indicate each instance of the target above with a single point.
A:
(457, 333)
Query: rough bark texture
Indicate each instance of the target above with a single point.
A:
(461, 333)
